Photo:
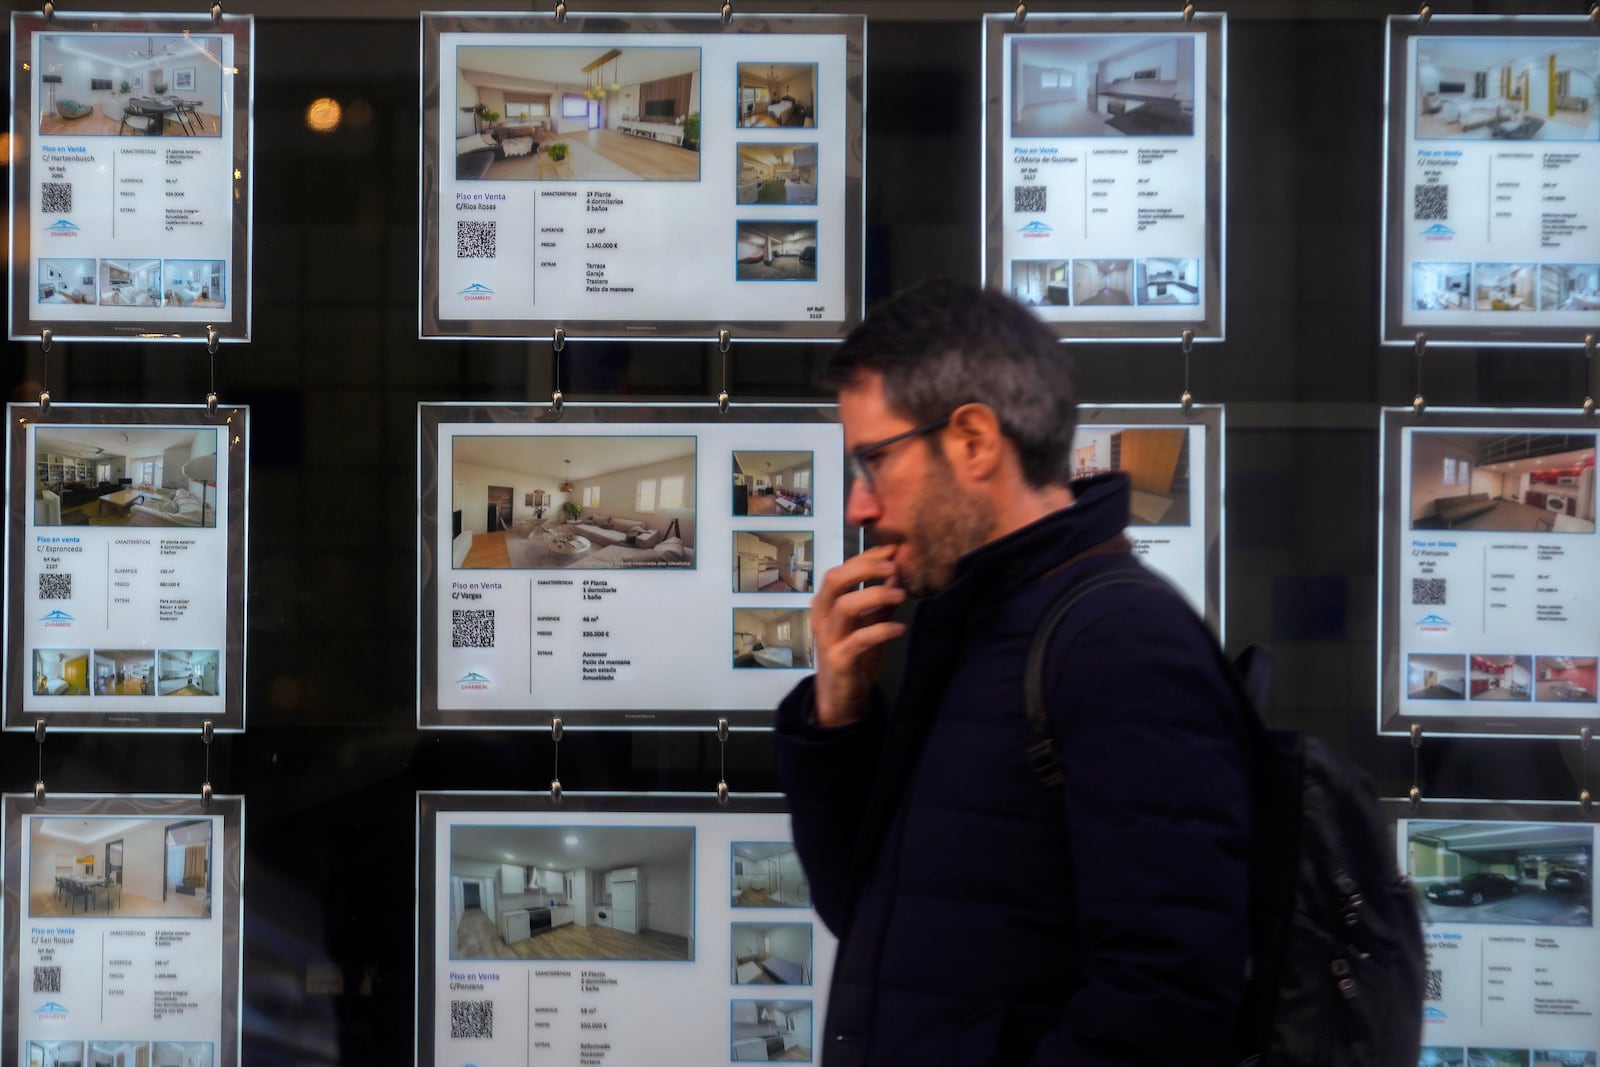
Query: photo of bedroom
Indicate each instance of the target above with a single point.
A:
(187, 672)
(772, 483)
(55, 1054)
(1550, 1057)
(60, 672)
(572, 892)
(1102, 282)
(1560, 679)
(767, 874)
(1441, 286)
(125, 476)
(194, 283)
(1040, 282)
(558, 113)
(772, 637)
(1156, 461)
(1434, 676)
(777, 174)
(772, 561)
(771, 953)
(130, 282)
(1569, 287)
(120, 867)
(111, 84)
(67, 281)
(777, 94)
(1102, 85)
(179, 1054)
(771, 1030)
(1169, 281)
(776, 251)
(1506, 287)
(574, 503)
(122, 1054)
(1507, 482)
(123, 672)
(1500, 678)
(1508, 88)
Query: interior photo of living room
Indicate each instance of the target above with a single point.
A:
(772, 561)
(777, 174)
(67, 281)
(1155, 460)
(60, 672)
(776, 251)
(573, 503)
(187, 672)
(572, 892)
(1506, 287)
(767, 874)
(771, 1030)
(1509, 88)
(194, 283)
(770, 953)
(772, 483)
(1562, 679)
(1098, 282)
(772, 637)
(1502, 482)
(126, 672)
(553, 113)
(120, 867)
(1436, 676)
(1102, 85)
(130, 282)
(180, 1054)
(125, 476)
(116, 84)
(1169, 281)
(777, 94)
(120, 1054)
(1569, 287)
(1441, 286)
(1040, 282)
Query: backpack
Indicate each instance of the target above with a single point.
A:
(1337, 965)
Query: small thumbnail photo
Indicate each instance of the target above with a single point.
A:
(1564, 679)
(767, 874)
(1436, 676)
(771, 953)
(1097, 282)
(777, 94)
(772, 637)
(1441, 286)
(772, 561)
(772, 483)
(1169, 281)
(66, 281)
(1040, 282)
(777, 252)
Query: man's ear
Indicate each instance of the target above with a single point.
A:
(976, 441)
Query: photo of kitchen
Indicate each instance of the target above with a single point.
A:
(773, 638)
(777, 174)
(767, 1030)
(180, 1054)
(776, 251)
(772, 561)
(1506, 482)
(572, 892)
(1168, 281)
(1538, 874)
(112, 84)
(771, 953)
(1500, 678)
(767, 874)
(1156, 461)
(1562, 679)
(187, 672)
(1102, 85)
(120, 867)
(772, 483)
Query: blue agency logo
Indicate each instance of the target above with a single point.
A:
(476, 291)
(50, 1010)
(1433, 624)
(473, 680)
(1036, 229)
(1438, 232)
(56, 617)
(61, 228)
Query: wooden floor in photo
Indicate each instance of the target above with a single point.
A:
(477, 938)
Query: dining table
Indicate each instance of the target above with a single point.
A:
(158, 108)
(87, 889)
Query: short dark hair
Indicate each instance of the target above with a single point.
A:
(942, 344)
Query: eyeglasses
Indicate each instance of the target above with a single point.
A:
(857, 459)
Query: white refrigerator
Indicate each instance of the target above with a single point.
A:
(625, 907)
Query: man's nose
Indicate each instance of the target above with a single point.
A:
(861, 504)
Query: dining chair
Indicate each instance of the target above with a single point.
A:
(137, 118)
(189, 108)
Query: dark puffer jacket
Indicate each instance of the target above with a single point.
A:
(986, 919)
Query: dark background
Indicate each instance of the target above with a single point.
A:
(331, 761)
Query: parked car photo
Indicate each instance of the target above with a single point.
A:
(1566, 880)
(1472, 889)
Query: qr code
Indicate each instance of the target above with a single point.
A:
(1431, 202)
(1427, 591)
(1028, 198)
(55, 587)
(1435, 986)
(472, 629)
(47, 979)
(55, 197)
(472, 1018)
(474, 240)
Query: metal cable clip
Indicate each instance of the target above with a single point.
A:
(38, 785)
(724, 342)
(727, 13)
(722, 761)
(555, 760)
(1420, 348)
(1021, 14)
(1416, 764)
(1187, 340)
(207, 733)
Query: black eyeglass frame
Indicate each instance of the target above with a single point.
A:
(856, 458)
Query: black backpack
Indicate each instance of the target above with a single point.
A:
(1337, 963)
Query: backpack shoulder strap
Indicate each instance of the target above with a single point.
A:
(1041, 745)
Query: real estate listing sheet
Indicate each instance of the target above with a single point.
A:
(622, 566)
(1173, 461)
(1513, 958)
(614, 930)
(1489, 623)
(122, 931)
(1103, 184)
(131, 178)
(1494, 155)
(642, 176)
(126, 567)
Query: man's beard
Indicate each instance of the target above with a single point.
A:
(943, 527)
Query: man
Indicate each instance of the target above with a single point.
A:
(983, 917)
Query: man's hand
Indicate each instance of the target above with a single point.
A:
(851, 625)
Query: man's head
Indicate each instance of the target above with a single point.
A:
(958, 409)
